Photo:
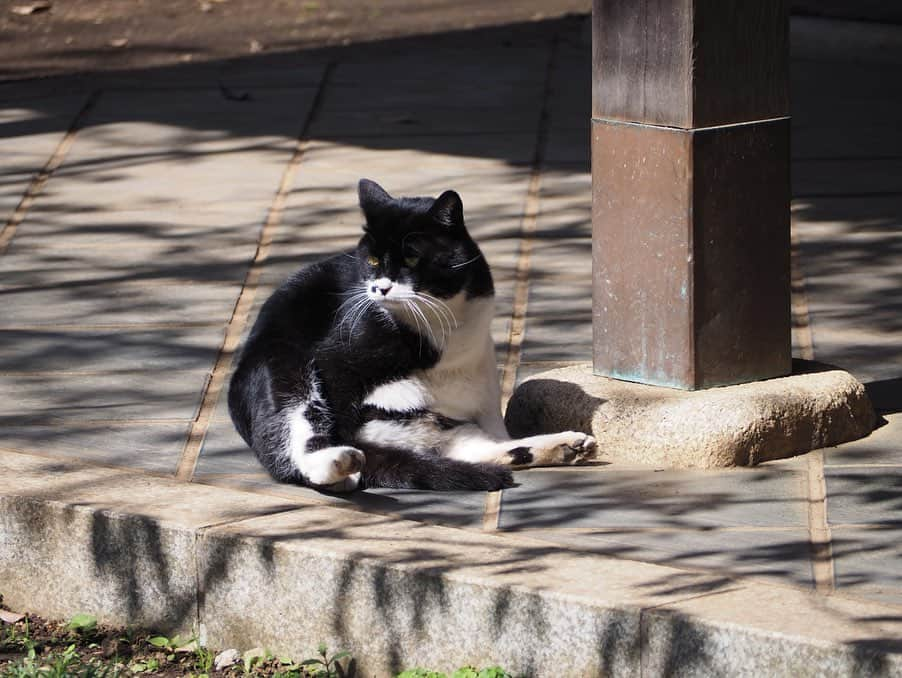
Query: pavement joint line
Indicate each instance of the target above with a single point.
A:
(801, 317)
(240, 314)
(820, 536)
(527, 229)
(492, 514)
(37, 183)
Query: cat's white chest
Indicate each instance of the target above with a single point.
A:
(463, 384)
(460, 392)
(464, 381)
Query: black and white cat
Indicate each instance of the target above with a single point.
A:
(376, 367)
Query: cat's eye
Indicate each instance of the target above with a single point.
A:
(411, 261)
(372, 261)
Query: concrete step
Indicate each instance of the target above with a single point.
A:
(246, 569)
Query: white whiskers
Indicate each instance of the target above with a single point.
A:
(430, 317)
(439, 311)
(356, 305)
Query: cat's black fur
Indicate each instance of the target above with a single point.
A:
(302, 347)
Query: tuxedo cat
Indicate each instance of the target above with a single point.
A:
(376, 367)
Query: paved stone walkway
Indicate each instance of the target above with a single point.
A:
(148, 214)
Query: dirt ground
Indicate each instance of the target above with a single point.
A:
(46, 37)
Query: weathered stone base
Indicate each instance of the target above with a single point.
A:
(818, 406)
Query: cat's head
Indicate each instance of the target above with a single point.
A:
(417, 246)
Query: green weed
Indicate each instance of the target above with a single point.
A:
(324, 666)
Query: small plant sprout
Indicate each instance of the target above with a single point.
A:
(82, 623)
(328, 664)
(173, 645)
(203, 659)
(253, 657)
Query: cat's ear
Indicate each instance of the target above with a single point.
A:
(448, 209)
(372, 196)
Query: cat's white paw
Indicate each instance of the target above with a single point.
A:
(332, 465)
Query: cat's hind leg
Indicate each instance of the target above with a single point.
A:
(552, 449)
(470, 443)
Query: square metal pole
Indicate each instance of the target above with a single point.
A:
(690, 173)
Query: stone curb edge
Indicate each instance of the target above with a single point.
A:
(245, 570)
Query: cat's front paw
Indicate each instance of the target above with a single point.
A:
(332, 465)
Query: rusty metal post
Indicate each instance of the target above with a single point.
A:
(690, 173)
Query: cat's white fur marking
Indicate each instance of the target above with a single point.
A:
(464, 383)
(396, 290)
(338, 466)
(405, 395)
(416, 436)
(299, 432)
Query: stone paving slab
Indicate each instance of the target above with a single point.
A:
(561, 327)
(779, 555)
(95, 229)
(50, 396)
(623, 499)
(35, 350)
(867, 561)
(504, 117)
(864, 494)
(152, 446)
(883, 446)
(172, 167)
(83, 303)
(36, 268)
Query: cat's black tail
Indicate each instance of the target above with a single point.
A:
(402, 469)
